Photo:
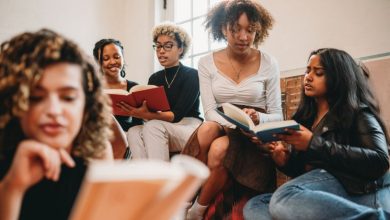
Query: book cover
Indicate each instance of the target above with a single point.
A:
(155, 97)
(263, 131)
(139, 189)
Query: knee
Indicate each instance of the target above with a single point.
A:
(153, 126)
(209, 128)
(257, 207)
(134, 133)
(207, 132)
(280, 205)
(217, 152)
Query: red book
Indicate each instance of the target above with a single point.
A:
(155, 97)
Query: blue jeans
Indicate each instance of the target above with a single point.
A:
(318, 195)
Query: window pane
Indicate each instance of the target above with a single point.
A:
(200, 37)
(199, 7)
(182, 10)
(213, 2)
(186, 62)
(196, 60)
(187, 27)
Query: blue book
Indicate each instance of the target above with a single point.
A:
(263, 131)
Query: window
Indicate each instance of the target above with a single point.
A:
(191, 14)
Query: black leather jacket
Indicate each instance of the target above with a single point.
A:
(358, 158)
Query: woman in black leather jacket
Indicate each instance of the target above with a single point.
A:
(340, 157)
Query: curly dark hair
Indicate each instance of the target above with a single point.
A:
(227, 13)
(22, 60)
(99, 47)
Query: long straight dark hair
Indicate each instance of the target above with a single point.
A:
(347, 91)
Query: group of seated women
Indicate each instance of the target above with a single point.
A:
(55, 118)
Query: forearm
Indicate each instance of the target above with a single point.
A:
(212, 115)
(10, 201)
(273, 103)
(276, 116)
(119, 140)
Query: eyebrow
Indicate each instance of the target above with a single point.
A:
(164, 42)
(62, 89)
(315, 67)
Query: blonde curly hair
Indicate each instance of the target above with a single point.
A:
(22, 60)
(174, 31)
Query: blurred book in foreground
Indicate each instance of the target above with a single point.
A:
(138, 189)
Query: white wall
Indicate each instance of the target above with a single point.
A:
(81, 21)
(87, 21)
(361, 27)
(139, 53)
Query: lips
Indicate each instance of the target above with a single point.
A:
(308, 86)
(162, 59)
(242, 46)
(114, 69)
(52, 128)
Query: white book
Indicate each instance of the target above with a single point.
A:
(138, 189)
(264, 131)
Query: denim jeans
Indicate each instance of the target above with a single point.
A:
(318, 195)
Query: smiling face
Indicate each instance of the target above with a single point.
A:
(315, 78)
(112, 60)
(167, 51)
(241, 35)
(56, 107)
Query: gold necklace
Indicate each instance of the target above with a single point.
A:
(173, 79)
(234, 69)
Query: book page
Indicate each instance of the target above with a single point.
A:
(237, 114)
(116, 91)
(138, 189)
(177, 194)
(137, 88)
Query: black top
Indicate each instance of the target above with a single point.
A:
(357, 156)
(48, 199)
(183, 94)
(127, 122)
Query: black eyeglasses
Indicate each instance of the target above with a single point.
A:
(167, 47)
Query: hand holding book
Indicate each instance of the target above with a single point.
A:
(253, 115)
(154, 95)
(139, 112)
(264, 131)
(299, 138)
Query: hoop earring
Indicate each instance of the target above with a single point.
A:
(123, 72)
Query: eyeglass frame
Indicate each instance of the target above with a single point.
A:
(167, 46)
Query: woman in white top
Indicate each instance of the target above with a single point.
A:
(247, 77)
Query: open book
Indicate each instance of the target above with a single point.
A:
(139, 189)
(155, 97)
(263, 131)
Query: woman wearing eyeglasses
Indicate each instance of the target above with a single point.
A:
(165, 132)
